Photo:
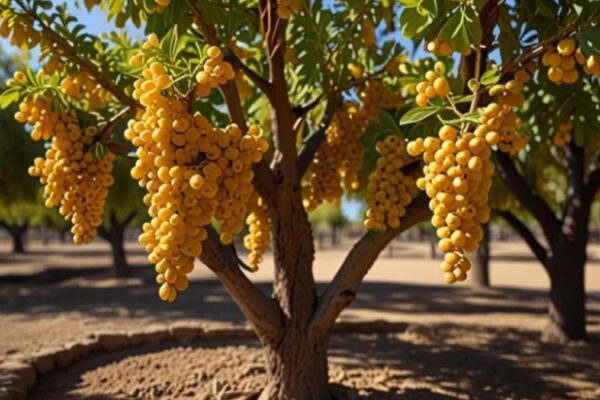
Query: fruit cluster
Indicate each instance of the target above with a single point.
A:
(435, 85)
(563, 135)
(339, 158)
(389, 191)
(259, 228)
(73, 178)
(285, 8)
(439, 47)
(216, 72)
(457, 178)
(82, 87)
(193, 172)
(499, 122)
(561, 62)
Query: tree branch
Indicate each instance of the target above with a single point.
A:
(261, 310)
(527, 197)
(312, 142)
(72, 54)
(342, 289)
(536, 247)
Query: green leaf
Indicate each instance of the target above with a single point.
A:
(418, 114)
(9, 96)
(590, 41)
(491, 76)
(387, 122)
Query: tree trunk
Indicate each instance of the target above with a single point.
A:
(116, 239)
(334, 240)
(18, 242)
(567, 310)
(17, 234)
(296, 369)
(480, 260)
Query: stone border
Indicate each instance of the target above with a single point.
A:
(18, 377)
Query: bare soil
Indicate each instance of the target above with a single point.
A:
(462, 343)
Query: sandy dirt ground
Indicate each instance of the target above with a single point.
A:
(469, 344)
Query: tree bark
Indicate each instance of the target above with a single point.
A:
(120, 264)
(567, 310)
(480, 273)
(296, 368)
(17, 234)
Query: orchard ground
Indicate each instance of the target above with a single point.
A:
(461, 343)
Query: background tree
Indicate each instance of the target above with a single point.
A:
(124, 209)
(19, 193)
(314, 76)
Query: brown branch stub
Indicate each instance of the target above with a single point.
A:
(312, 142)
(342, 288)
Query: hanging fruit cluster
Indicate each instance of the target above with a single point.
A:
(457, 178)
(74, 179)
(82, 87)
(563, 59)
(563, 135)
(435, 85)
(193, 172)
(216, 72)
(499, 121)
(439, 48)
(389, 191)
(338, 160)
(259, 228)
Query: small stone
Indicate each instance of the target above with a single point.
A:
(135, 338)
(112, 341)
(14, 386)
(25, 372)
(43, 361)
(63, 357)
(156, 335)
(184, 333)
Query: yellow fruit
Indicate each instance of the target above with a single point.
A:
(566, 47)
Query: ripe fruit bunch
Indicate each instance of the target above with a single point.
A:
(562, 63)
(216, 72)
(81, 86)
(591, 65)
(436, 85)
(376, 96)
(439, 47)
(331, 161)
(285, 8)
(389, 191)
(499, 121)
(193, 172)
(73, 177)
(457, 178)
(563, 134)
(259, 228)
(339, 158)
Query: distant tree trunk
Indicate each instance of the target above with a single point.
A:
(115, 235)
(480, 260)
(17, 234)
(62, 234)
(334, 236)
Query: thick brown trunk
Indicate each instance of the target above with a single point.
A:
(120, 264)
(566, 311)
(296, 369)
(480, 260)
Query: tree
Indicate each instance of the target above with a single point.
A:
(18, 191)
(124, 208)
(322, 83)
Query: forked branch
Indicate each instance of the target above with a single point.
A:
(341, 291)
